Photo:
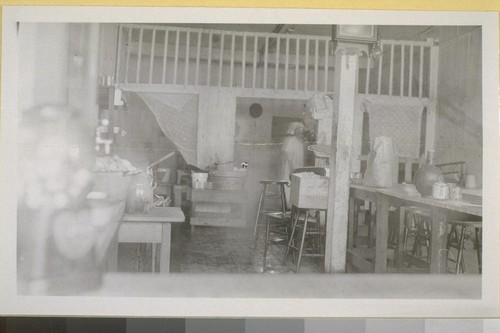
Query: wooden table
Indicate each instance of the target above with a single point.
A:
(153, 227)
(441, 210)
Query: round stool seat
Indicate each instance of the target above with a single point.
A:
(274, 182)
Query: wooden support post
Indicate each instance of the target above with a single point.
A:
(346, 65)
(430, 131)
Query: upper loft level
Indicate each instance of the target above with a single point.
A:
(159, 57)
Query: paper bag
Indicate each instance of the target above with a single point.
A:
(379, 163)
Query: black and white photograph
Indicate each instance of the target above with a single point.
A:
(265, 155)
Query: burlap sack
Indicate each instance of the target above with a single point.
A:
(379, 163)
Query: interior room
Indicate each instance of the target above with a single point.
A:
(250, 148)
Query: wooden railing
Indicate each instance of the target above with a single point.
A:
(150, 54)
(180, 56)
(405, 69)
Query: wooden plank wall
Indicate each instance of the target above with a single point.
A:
(459, 129)
(216, 127)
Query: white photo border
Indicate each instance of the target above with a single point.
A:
(12, 304)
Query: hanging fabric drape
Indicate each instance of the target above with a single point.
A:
(177, 116)
(400, 122)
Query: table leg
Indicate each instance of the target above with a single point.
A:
(370, 215)
(165, 248)
(257, 218)
(400, 216)
(153, 257)
(382, 232)
(438, 242)
(112, 256)
(350, 228)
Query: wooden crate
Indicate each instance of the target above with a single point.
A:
(228, 180)
(309, 193)
(218, 208)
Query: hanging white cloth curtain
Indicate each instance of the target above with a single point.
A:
(400, 122)
(177, 116)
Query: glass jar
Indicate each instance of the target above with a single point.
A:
(139, 194)
(427, 175)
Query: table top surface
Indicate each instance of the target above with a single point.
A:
(462, 206)
(157, 214)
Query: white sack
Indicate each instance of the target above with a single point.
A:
(379, 163)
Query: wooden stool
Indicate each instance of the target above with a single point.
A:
(416, 225)
(277, 231)
(263, 196)
(419, 224)
(309, 228)
(456, 240)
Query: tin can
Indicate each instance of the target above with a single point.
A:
(441, 190)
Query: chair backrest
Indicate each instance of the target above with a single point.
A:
(408, 162)
(453, 171)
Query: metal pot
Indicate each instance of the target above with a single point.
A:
(425, 177)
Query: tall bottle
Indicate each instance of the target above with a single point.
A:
(427, 175)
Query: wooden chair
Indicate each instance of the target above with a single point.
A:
(260, 208)
(456, 240)
(278, 223)
(310, 227)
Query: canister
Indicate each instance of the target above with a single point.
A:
(440, 190)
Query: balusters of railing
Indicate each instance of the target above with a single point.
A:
(391, 69)
(186, 62)
(277, 63)
(198, 56)
(306, 67)
(297, 63)
(254, 75)
(368, 71)
(231, 65)
(327, 49)
(266, 53)
(402, 78)
(139, 54)
(119, 54)
(152, 56)
(176, 55)
(421, 72)
(165, 56)
(287, 51)
(244, 60)
(221, 58)
(316, 62)
(379, 81)
(127, 61)
(410, 79)
(209, 60)
(177, 65)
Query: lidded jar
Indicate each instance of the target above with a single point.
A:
(139, 194)
(427, 175)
